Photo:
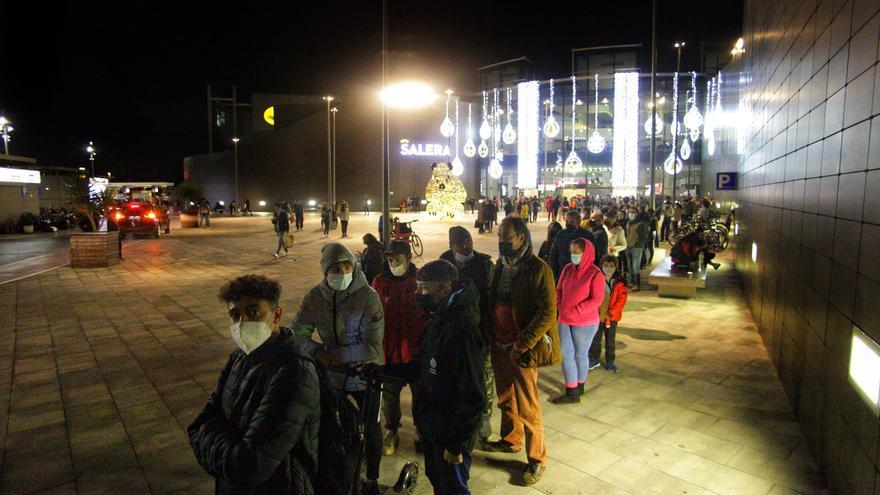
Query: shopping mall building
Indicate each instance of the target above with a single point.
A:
(601, 144)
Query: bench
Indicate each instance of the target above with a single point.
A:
(676, 283)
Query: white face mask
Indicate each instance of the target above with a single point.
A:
(398, 270)
(339, 282)
(631, 216)
(461, 258)
(576, 259)
(249, 335)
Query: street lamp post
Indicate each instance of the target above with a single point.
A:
(678, 46)
(90, 149)
(653, 155)
(386, 173)
(235, 141)
(5, 129)
(333, 111)
(329, 99)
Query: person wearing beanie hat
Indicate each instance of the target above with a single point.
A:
(341, 322)
(476, 267)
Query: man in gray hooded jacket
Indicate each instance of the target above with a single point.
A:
(341, 322)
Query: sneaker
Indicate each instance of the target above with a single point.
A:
(610, 366)
(533, 473)
(275, 255)
(390, 443)
(594, 363)
(500, 446)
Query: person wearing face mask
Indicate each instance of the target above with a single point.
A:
(453, 385)
(637, 235)
(404, 329)
(597, 227)
(544, 250)
(559, 251)
(341, 322)
(476, 267)
(579, 293)
(522, 301)
(610, 312)
(265, 408)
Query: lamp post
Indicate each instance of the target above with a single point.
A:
(653, 170)
(235, 141)
(5, 129)
(329, 99)
(678, 46)
(333, 113)
(90, 149)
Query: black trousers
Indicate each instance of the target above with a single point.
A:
(372, 433)
(664, 228)
(610, 333)
(299, 222)
(344, 227)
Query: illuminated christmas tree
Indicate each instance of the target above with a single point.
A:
(445, 192)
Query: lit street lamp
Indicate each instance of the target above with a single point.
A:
(90, 149)
(333, 195)
(5, 129)
(329, 99)
(235, 141)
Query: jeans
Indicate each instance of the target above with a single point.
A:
(344, 228)
(408, 372)
(635, 264)
(575, 345)
(281, 245)
(610, 333)
(446, 478)
(326, 227)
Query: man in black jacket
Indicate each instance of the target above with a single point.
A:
(597, 221)
(559, 251)
(476, 267)
(258, 433)
(281, 219)
(452, 376)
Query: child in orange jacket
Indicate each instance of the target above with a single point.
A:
(610, 312)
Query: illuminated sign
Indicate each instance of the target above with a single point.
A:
(864, 368)
(19, 176)
(269, 115)
(423, 149)
(97, 186)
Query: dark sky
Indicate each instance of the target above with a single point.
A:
(131, 75)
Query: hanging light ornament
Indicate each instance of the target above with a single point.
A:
(447, 128)
(658, 125)
(495, 169)
(509, 134)
(672, 164)
(496, 118)
(710, 117)
(469, 148)
(485, 129)
(551, 128)
(596, 143)
(457, 166)
(693, 119)
(573, 163)
(685, 151)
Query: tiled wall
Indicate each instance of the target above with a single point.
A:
(807, 91)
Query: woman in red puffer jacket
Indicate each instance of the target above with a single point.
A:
(579, 294)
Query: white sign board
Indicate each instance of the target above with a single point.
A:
(19, 176)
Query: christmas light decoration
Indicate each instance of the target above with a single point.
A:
(483, 149)
(573, 163)
(710, 118)
(469, 148)
(596, 143)
(457, 166)
(447, 128)
(551, 128)
(658, 125)
(509, 134)
(496, 118)
(485, 130)
(445, 192)
(672, 164)
(693, 119)
(528, 109)
(625, 154)
(685, 150)
(495, 169)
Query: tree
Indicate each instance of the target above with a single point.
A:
(445, 192)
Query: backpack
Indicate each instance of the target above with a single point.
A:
(338, 440)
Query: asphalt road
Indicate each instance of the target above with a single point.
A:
(24, 256)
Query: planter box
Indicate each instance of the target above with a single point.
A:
(189, 221)
(27, 229)
(94, 249)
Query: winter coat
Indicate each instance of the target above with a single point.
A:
(343, 214)
(614, 301)
(580, 291)
(533, 299)
(404, 320)
(479, 271)
(258, 432)
(298, 210)
(637, 234)
(617, 241)
(452, 373)
(282, 222)
(601, 237)
(372, 261)
(560, 251)
(544, 250)
(350, 324)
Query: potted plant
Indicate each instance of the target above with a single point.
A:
(26, 222)
(188, 195)
(91, 248)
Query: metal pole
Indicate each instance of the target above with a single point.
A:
(234, 112)
(386, 174)
(92, 159)
(653, 99)
(210, 121)
(328, 99)
(675, 120)
(235, 145)
(334, 110)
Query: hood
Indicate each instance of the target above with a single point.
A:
(589, 255)
(466, 299)
(334, 253)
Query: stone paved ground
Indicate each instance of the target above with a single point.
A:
(102, 370)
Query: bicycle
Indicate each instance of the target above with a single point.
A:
(410, 237)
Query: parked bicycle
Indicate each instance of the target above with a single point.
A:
(403, 231)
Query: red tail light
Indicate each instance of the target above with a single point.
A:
(119, 215)
(151, 215)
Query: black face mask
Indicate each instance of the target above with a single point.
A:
(426, 302)
(506, 248)
(570, 226)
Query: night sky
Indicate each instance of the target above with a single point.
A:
(131, 75)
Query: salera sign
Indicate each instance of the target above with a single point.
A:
(423, 149)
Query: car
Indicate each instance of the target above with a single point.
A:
(135, 217)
